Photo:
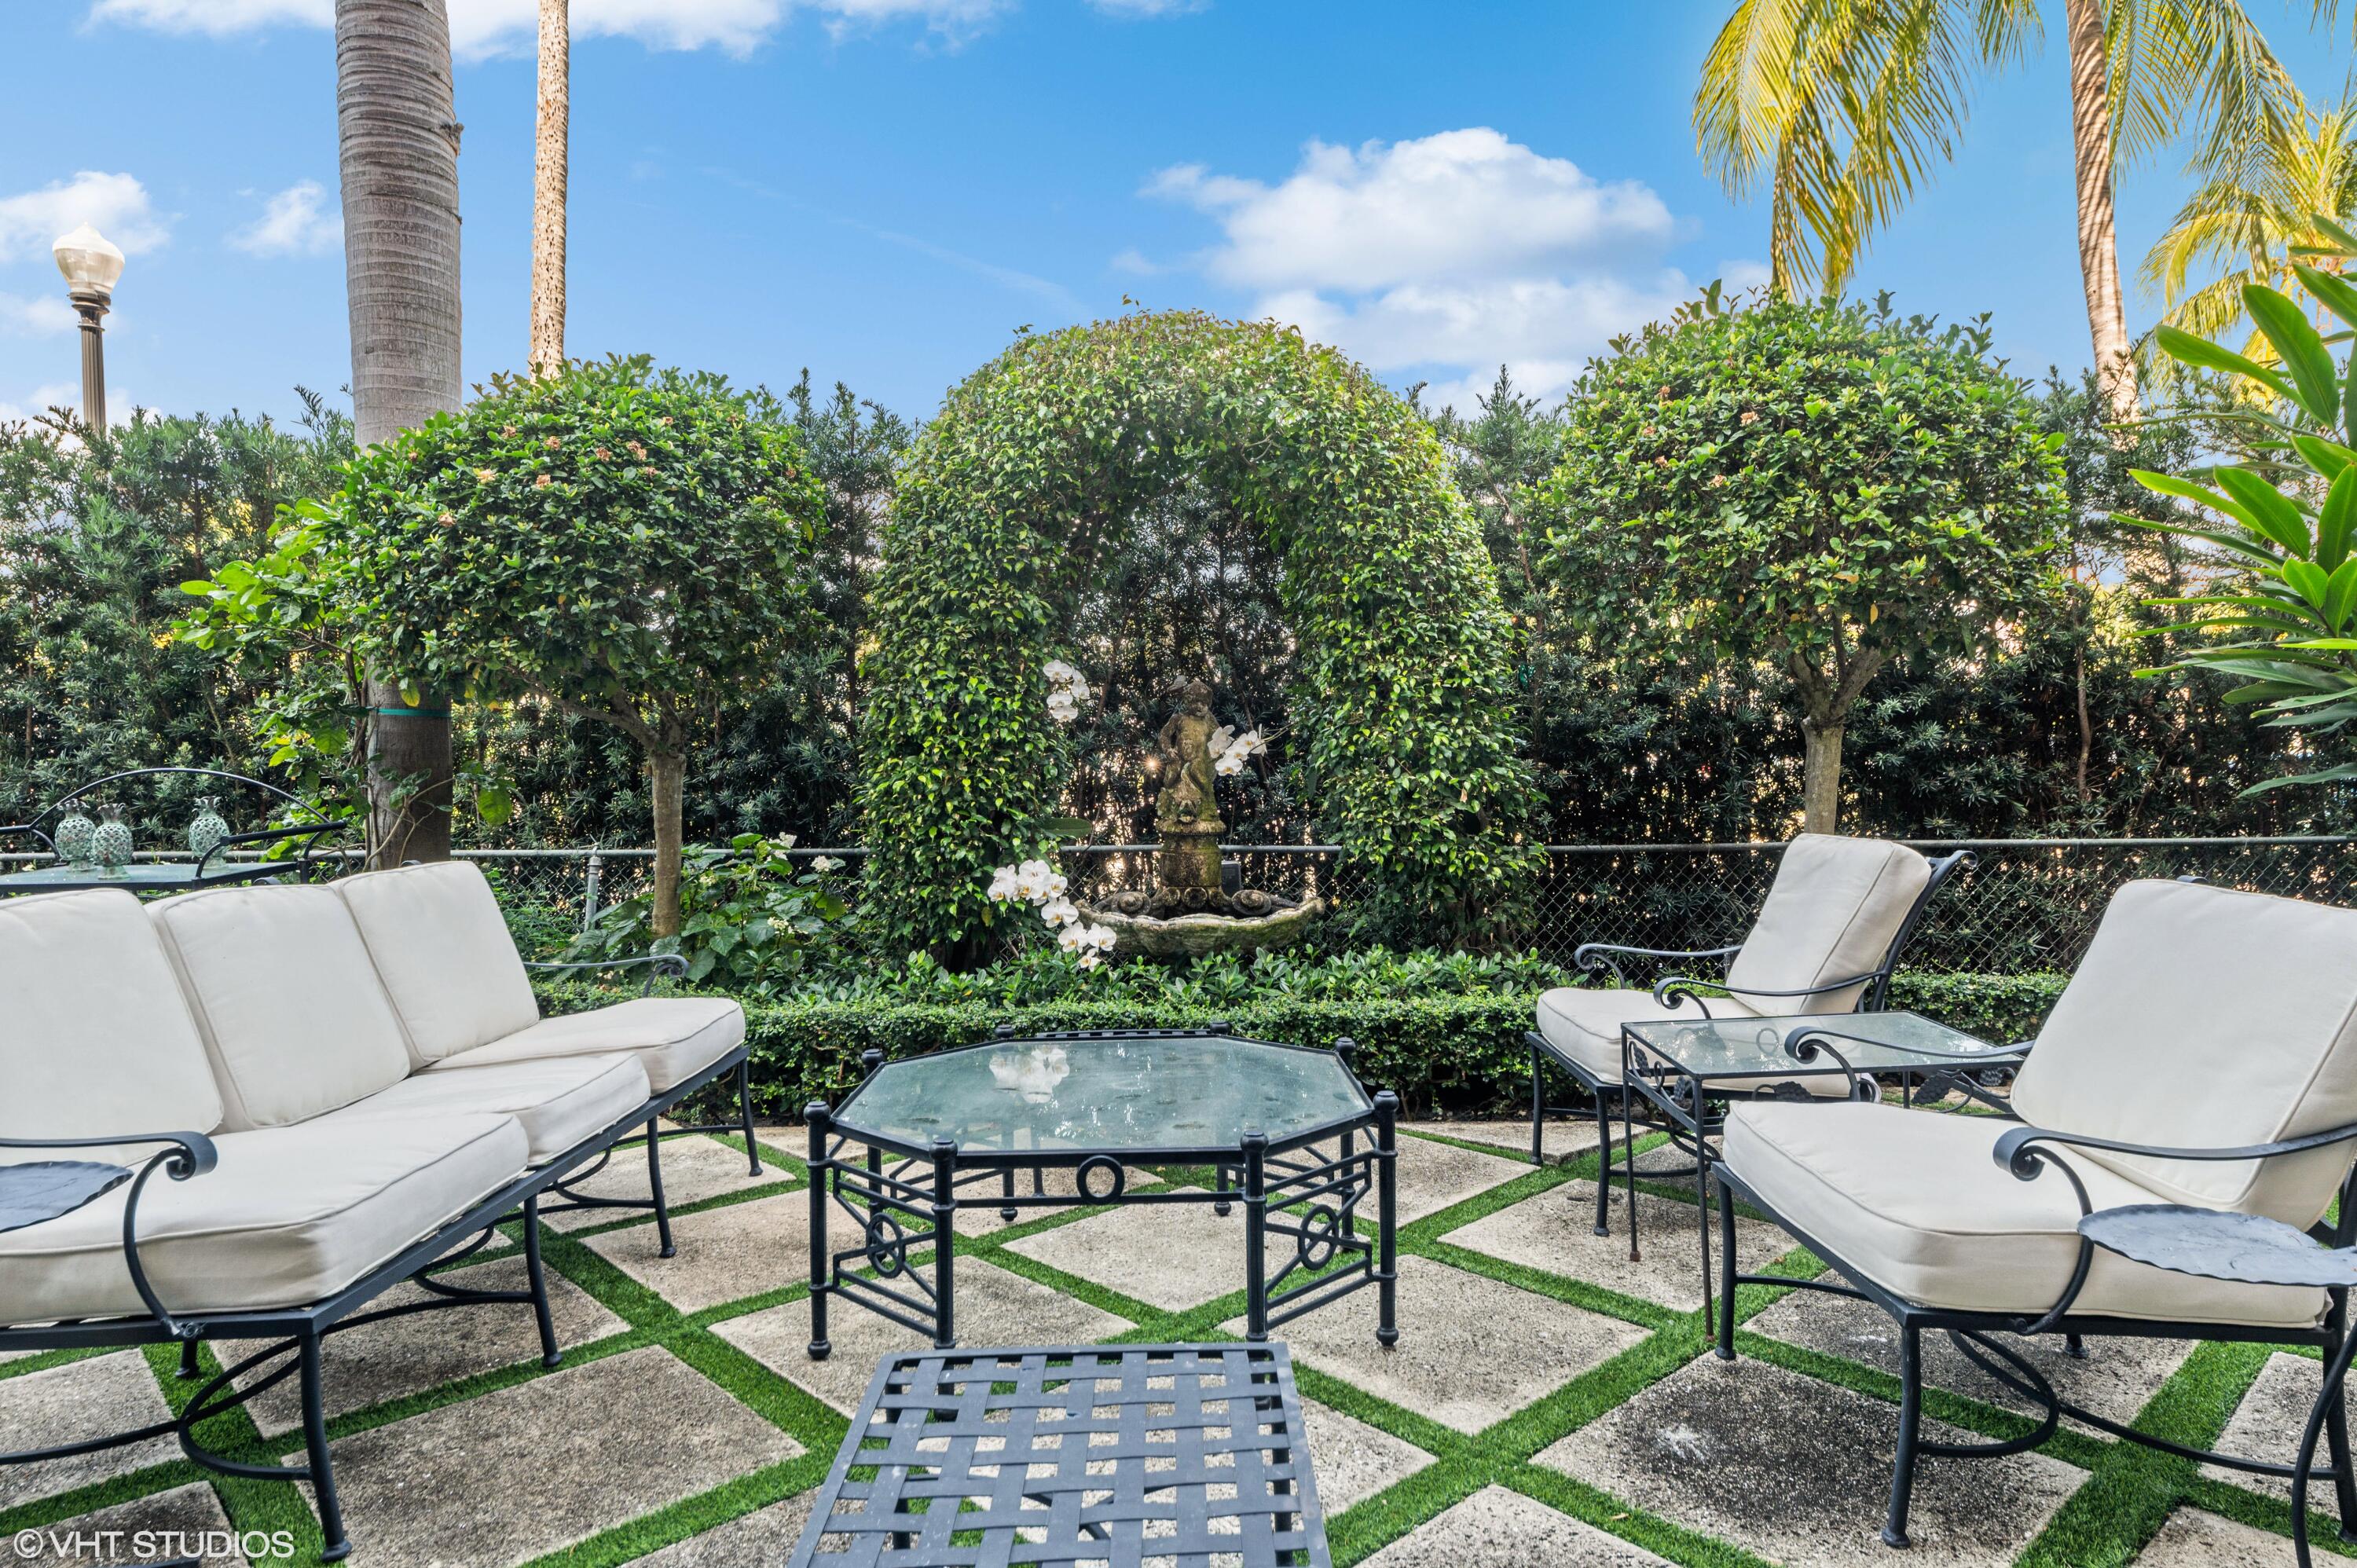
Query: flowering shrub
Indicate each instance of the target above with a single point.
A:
(753, 923)
(1041, 885)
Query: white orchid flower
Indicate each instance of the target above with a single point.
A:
(827, 863)
(1090, 961)
(1248, 744)
(1072, 937)
(1059, 912)
(1056, 884)
(1002, 885)
(1229, 765)
(1101, 938)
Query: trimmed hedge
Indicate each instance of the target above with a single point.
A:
(1455, 1053)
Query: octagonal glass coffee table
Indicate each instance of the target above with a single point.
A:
(1291, 1135)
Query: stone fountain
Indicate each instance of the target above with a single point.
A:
(1189, 912)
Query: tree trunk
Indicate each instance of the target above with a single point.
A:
(670, 771)
(1821, 783)
(548, 170)
(397, 140)
(2099, 255)
(408, 744)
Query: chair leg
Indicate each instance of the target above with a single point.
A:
(745, 1113)
(1910, 1422)
(654, 1182)
(1603, 1167)
(2336, 1438)
(1538, 1111)
(188, 1357)
(537, 1273)
(315, 1446)
(1726, 1272)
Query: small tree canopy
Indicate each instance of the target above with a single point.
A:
(1817, 486)
(623, 542)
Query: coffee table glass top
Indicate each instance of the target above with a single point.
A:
(1868, 1042)
(140, 877)
(1136, 1093)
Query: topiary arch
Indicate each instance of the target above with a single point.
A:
(1403, 735)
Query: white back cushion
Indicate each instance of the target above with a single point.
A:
(443, 949)
(291, 1010)
(2204, 1019)
(1833, 910)
(95, 1039)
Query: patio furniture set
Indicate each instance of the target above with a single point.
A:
(2161, 1164)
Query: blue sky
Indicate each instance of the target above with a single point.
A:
(882, 191)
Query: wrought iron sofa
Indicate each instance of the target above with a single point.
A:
(1831, 930)
(2204, 1053)
(243, 1043)
(465, 1001)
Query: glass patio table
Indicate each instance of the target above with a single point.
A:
(1687, 1070)
(1289, 1132)
(139, 876)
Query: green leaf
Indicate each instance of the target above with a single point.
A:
(494, 804)
(2187, 349)
(2302, 350)
(2335, 291)
(2267, 509)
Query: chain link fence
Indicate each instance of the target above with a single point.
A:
(2025, 904)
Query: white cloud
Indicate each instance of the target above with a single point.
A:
(115, 204)
(35, 317)
(481, 27)
(1452, 253)
(293, 224)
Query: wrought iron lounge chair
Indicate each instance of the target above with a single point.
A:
(1835, 921)
(2204, 1053)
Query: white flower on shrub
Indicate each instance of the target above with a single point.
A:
(1230, 750)
(1002, 885)
(1059, 912)
(1067, 689)
(825, 863)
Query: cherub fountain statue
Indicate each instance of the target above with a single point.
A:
(1189, 911)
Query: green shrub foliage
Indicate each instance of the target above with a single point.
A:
(1404, 739)
(614, 542)
(1818, 488)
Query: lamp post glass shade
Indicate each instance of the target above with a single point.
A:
(89, 261)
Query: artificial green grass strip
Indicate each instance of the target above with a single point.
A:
(690, 1517)
(1663, 1537)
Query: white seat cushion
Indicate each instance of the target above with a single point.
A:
(558, 1101)
(2202, 1018)
(289, 1215)
(674, 1037)
(96, 1037)
(443, 951)
(1836, 906)
(286, 998)
(1913, 1200)
(1584, 1024)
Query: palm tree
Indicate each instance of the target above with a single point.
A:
(549, 152)
(2253, 223)
(397, 136)
(1847, 105)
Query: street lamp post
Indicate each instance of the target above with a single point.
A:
(91, 265)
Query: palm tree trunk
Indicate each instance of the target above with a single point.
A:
(2099, 253)
(397, 136)
(548, 171)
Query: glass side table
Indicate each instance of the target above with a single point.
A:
(2247, 1249)
(49, 1189)
(1687, 1068)
(1291, 1132)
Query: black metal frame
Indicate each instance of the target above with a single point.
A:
(1191, 1452)
(740, 1060)
(298, 1330)
(2016, 1152)
(305, 861)
(922, 1188)
(1674, 991)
